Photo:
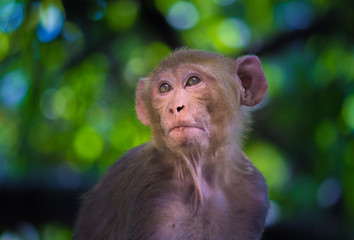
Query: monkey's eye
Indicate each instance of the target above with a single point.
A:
(193, 81)
(165, 87)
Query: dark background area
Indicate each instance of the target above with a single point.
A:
(68, 71)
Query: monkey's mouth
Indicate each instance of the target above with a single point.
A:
(185, 127)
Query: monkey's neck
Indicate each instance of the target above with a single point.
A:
(203, 170)
(193, 170)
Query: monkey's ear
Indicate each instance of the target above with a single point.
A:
(141, 110)
(253, 80)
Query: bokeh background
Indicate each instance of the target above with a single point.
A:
(68, 71)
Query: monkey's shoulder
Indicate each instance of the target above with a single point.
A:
(124, 192)
(139, 162)
(131, 168)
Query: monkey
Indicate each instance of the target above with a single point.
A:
(192, 179)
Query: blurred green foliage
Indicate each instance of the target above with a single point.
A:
(68, 73)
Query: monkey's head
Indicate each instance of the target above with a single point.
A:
(193, 98)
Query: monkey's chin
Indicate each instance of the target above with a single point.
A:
(186, 136)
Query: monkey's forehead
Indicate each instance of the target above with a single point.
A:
(184, 55)
(184, 69)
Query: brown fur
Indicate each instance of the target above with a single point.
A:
(192, 182)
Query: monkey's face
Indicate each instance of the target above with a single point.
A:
(193, 98)
(182, 100)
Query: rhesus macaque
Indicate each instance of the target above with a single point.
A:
(192, 180)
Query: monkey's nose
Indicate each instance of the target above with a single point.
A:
(176, 110)
(180, 108)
